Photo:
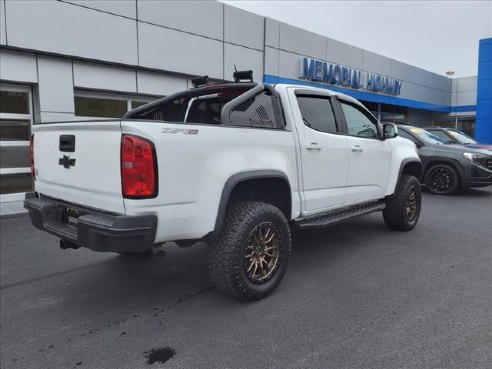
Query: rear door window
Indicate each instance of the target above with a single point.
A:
(317, 113)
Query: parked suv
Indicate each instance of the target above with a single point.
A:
(454, 136)
(446, 168)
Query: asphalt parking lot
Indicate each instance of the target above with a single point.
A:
(356, 295)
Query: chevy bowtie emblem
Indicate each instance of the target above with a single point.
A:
(66, 162)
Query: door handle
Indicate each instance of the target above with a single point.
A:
(313, 146)
(357, 148)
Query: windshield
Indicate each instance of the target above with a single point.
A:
(461, 137)
(426, 136)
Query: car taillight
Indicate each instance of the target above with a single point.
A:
(138, 167)
(31, 156)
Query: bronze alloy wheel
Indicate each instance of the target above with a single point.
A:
(411, 206)
(441, 179)
(262, 254)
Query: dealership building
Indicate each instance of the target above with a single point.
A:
(79, 60)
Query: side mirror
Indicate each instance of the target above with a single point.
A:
(390, 130)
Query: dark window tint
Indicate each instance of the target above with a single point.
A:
(358, 123)
(14, 157)
(136, 104)
(14, 102)
(14, 130)
(13, 183)
(96, 107)
(317, 113)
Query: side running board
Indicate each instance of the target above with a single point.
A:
(339, 215)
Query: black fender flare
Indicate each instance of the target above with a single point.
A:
(404, 163)
(233, 181)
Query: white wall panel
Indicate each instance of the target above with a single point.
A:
(465, 98)
(57, 117)
(17, 66)
(200, 17)
(272, 33)
(271, 61)
(302, 42)
(410, 73)
(126, 8)
(376, 63)
(416, 92)
(243, 28)
(55, 85)
(72, 30)
(344, 54)
(104, 77)
(159, 84)
(3, 35)
(244, 59)
(466, 83)
(175, 51)
(289, 65)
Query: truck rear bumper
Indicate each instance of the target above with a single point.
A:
(90, 228)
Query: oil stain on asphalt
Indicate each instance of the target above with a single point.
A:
(159, 355)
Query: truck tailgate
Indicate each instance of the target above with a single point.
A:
(89, 172)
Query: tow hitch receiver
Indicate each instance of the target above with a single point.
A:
(68, 245)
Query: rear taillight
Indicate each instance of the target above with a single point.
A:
(31, 157)
(138, 167)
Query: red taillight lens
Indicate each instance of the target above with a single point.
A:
(31, 156)
(138, 167)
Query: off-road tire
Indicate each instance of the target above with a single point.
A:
(449, 175)
(227, 253)
(396, 214)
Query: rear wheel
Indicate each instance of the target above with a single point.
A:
(249, 258)
(403, 207)
(442, 179)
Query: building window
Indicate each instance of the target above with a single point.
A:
(372, 107)
(104, 105)
(16, 118)
(464, 124)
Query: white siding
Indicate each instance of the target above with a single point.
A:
(63, 28)
(175, 51)
(18, 66)
(90, 75)
(243, 28)
(159, 84)
(55, 85)
(198, 17)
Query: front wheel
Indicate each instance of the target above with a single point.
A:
(249, 258)
(442, 179)
(403, 207)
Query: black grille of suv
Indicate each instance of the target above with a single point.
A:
(484, 162)
(488, 163)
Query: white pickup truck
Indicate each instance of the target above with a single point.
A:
(237, 165)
